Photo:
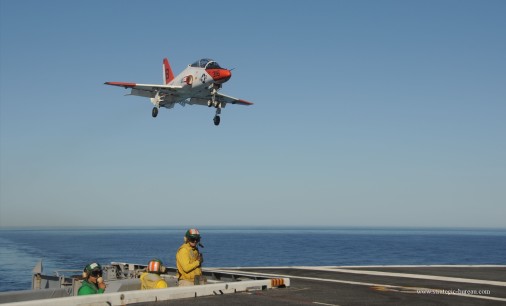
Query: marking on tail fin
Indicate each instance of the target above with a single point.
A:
(168, 75)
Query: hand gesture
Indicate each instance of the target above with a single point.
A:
(201, 258)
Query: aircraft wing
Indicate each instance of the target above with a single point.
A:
(145, 90)
(203, 99)
(229, 99)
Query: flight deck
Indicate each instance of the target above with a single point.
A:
(375, 285)
(297, 285)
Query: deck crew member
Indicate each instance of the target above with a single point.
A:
(152, 279)
(189, 260)
(92, 280)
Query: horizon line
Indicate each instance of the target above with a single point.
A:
(252, 227)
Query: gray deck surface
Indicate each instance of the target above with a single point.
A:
(316, 287)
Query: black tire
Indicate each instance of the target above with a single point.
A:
(216, 120)
(154, 112)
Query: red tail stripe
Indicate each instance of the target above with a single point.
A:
(168, 74)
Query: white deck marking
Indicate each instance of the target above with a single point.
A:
(410, 275)
(351, 282)
(318, 303)
(372, 267)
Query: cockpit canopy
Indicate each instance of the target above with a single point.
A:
(206, 63)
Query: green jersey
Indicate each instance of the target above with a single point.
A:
(89, 288)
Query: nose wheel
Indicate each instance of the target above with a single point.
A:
(154, 112)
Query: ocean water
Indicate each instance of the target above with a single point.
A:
(21, 249)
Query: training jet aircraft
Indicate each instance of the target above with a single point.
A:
(197, 84)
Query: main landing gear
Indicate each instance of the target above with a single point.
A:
(216, 104)
(216, 118)
(158, 98)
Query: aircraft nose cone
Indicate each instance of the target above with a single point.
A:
(220, 75)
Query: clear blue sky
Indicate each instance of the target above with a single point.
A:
(367, 113)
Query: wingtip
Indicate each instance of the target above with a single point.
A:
(121, 84)
(246, 102)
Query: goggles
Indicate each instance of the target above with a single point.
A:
(191, 239)
(96, 273)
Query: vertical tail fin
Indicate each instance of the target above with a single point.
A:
(168, 75)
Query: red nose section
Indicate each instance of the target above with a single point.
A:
(219, 75)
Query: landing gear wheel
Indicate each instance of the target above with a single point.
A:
(154, 112)
(216, 120)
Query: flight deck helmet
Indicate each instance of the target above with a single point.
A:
(192, 235)
(156, 266)
(92, 269)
